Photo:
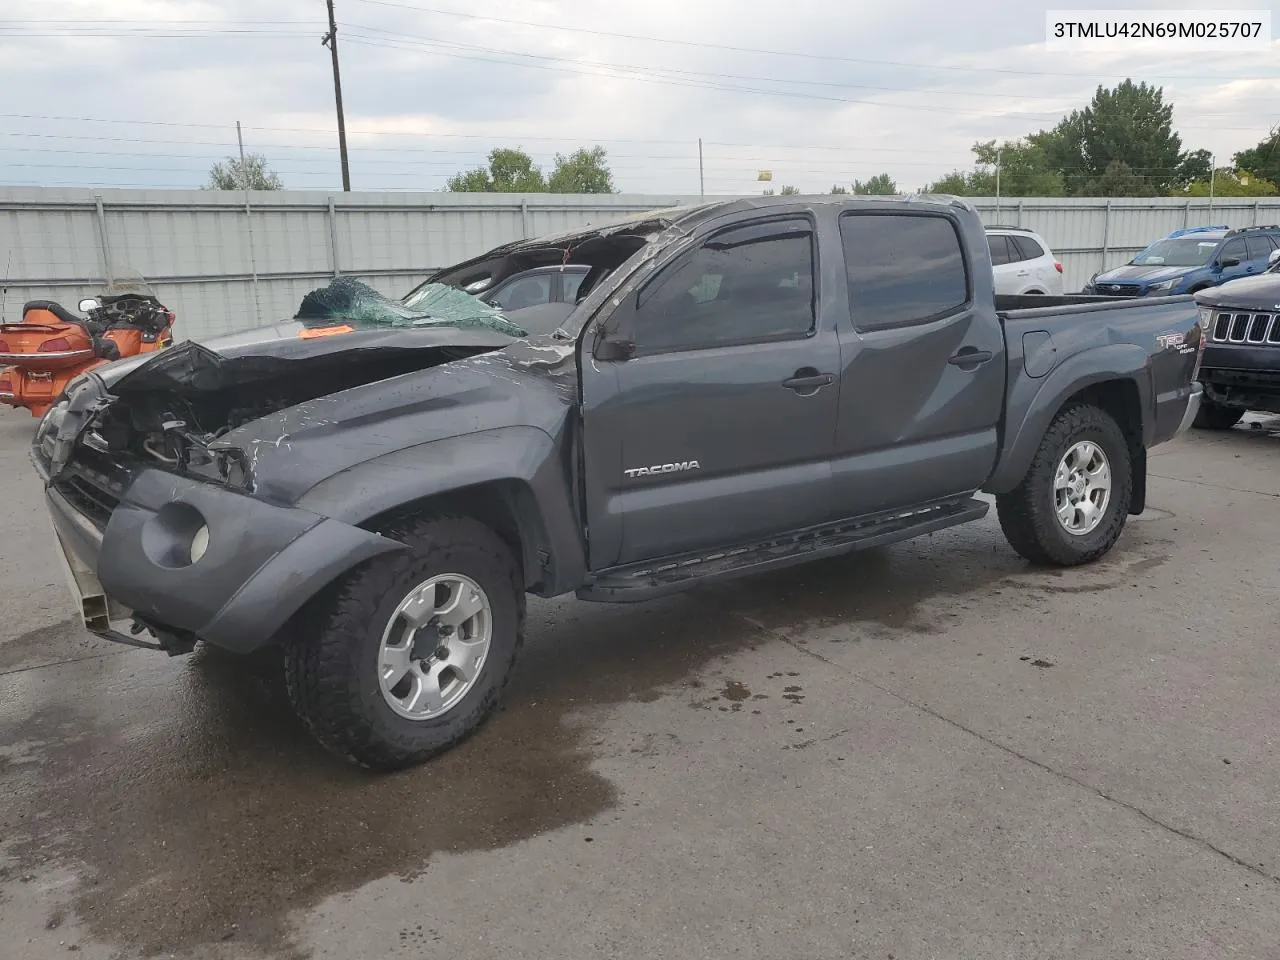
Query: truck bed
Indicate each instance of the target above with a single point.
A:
(1036, 304)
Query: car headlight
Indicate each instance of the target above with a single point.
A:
(1163, 286)
(1206, 318)
(199, 543)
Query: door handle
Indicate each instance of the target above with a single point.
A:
(807, 379)
(970, 357)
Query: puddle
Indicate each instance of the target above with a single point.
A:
(197, 810)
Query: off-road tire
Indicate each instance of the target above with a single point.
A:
(331, 658)
(1027, 514)
(1213, 416)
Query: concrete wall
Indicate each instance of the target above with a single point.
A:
(222, 269)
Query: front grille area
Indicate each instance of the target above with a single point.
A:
(94, 501)
(1119, 290)
(1252, 328)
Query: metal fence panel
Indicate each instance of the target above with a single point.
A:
(222, 270)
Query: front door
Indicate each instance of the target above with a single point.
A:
(922, 387)
(717, 429)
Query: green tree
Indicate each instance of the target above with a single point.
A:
(958, 183)
(509, 171)
(1195, 166)
(1120, 180)
(583, 171)
(789, 191)
(1263, 160)
(1124, 133)
(250, 174)
(1025, 170)
(836, 188)
(1233, 183)
(881, 185)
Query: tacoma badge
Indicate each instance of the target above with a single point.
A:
(663, 468)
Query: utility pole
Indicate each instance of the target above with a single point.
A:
(248, 221)
(331, 41)
(702, 183)
(998, 152)
(1213, 170)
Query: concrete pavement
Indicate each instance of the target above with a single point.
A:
(926, 751)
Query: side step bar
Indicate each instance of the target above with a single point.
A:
(633, 583)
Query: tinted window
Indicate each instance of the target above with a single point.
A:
(999, 250)
(1028, 249)
(1234, 248)
(743, 285)
(572, 281)
(523, 292)
(1259, 248)
(902, 269)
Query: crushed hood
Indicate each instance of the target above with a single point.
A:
(223, 362)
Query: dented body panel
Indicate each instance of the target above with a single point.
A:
(294, 451)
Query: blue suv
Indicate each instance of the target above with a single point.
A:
(1189, 260)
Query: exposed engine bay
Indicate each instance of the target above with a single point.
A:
(172, 413)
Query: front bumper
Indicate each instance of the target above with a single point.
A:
(262, 564)
(1244, 376)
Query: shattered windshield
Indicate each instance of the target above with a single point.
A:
(356, 305)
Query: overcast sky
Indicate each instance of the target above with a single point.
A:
(147, 92)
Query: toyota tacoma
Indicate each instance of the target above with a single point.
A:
(739, 386)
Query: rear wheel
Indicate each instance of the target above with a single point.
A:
(1073, 502)
(410, 653)
(1214, 416)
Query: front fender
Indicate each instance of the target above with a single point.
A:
(1034, 402)
(525, 456)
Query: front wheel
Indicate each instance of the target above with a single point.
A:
(1213, 416)
(410, 653)
(1073, 502)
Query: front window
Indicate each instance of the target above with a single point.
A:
(1181, 252)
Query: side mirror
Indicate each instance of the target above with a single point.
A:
(89, 304)
(1274, 258)
(1229, 262)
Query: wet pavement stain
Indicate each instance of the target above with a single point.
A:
(735, 691)
(65, 640)
(904, 588)
(197, 809)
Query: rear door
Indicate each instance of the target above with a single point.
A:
(1259, 248)
(717, 429)
(923, 364)
(1035, 260)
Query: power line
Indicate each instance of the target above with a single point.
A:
(703, 85)
(395, 35)
(952, 111)
(776, 53)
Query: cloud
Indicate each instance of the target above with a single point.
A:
(905, 88)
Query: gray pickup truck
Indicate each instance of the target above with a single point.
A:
(741, 386)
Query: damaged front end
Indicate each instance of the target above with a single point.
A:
(165, 535)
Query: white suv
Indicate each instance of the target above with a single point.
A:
(1023, 262)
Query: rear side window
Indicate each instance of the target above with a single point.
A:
(1259, 248)
(749, 284)
(1028, 249)
(903, 268)
(999, 249)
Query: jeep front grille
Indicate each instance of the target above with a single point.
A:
(1252, 328)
